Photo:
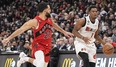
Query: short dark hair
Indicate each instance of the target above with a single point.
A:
(42, 6)
(90, 7)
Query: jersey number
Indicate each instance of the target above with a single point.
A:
(47, 35)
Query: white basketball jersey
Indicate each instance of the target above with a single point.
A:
(88, 30)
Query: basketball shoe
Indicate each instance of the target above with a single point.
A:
(22, 59)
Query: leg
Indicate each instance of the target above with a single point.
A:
(23, 58)
(38, 61)
(92, 64)
(82, 53)
(92, 54)
(84, 57)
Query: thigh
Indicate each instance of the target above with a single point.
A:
(39, 58)
(39, 55)
(42, 52)
(92, 53)
(80, 47)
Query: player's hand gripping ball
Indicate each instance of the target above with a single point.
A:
(108, 49)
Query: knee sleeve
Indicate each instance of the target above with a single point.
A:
(84, 57)
(39, 59)
(92, 64)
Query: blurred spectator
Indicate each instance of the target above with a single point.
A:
(28, 48)
(61, 45)
(70, 45)
(54, 54)
(114, 34)
(66, 41)
(14, 46)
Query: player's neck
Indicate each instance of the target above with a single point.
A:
(42, 16)
(92, 19)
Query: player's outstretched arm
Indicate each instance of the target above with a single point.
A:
(29, 24)
(67, 34)
(77, 27)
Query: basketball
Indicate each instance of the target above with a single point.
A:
(108, 49)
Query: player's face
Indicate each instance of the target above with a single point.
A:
(93, 13)
(48, 11)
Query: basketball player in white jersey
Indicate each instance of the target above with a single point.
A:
(86, 32)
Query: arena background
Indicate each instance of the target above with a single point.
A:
(14, 13)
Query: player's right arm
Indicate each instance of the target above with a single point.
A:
(77, 27)
(27, 25)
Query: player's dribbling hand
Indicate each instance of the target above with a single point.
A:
(5, 41)
(86, 39)
(68, 34)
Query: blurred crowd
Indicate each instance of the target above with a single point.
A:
(65, 12)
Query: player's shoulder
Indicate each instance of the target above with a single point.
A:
(32, 22)
(82, 20)
(97, 19)
(35, 20)
(50, 20)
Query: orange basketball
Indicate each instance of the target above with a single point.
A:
(108, 49)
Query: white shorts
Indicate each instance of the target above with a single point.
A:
(39, 59)
(90, 49)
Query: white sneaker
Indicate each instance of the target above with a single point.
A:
(22, 57)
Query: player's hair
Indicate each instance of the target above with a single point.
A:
(90, 7)
(42, 6)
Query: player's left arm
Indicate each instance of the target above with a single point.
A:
(58, 28)
(98, 38)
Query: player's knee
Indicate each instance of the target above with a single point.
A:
(38, 62)
(84, 56)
